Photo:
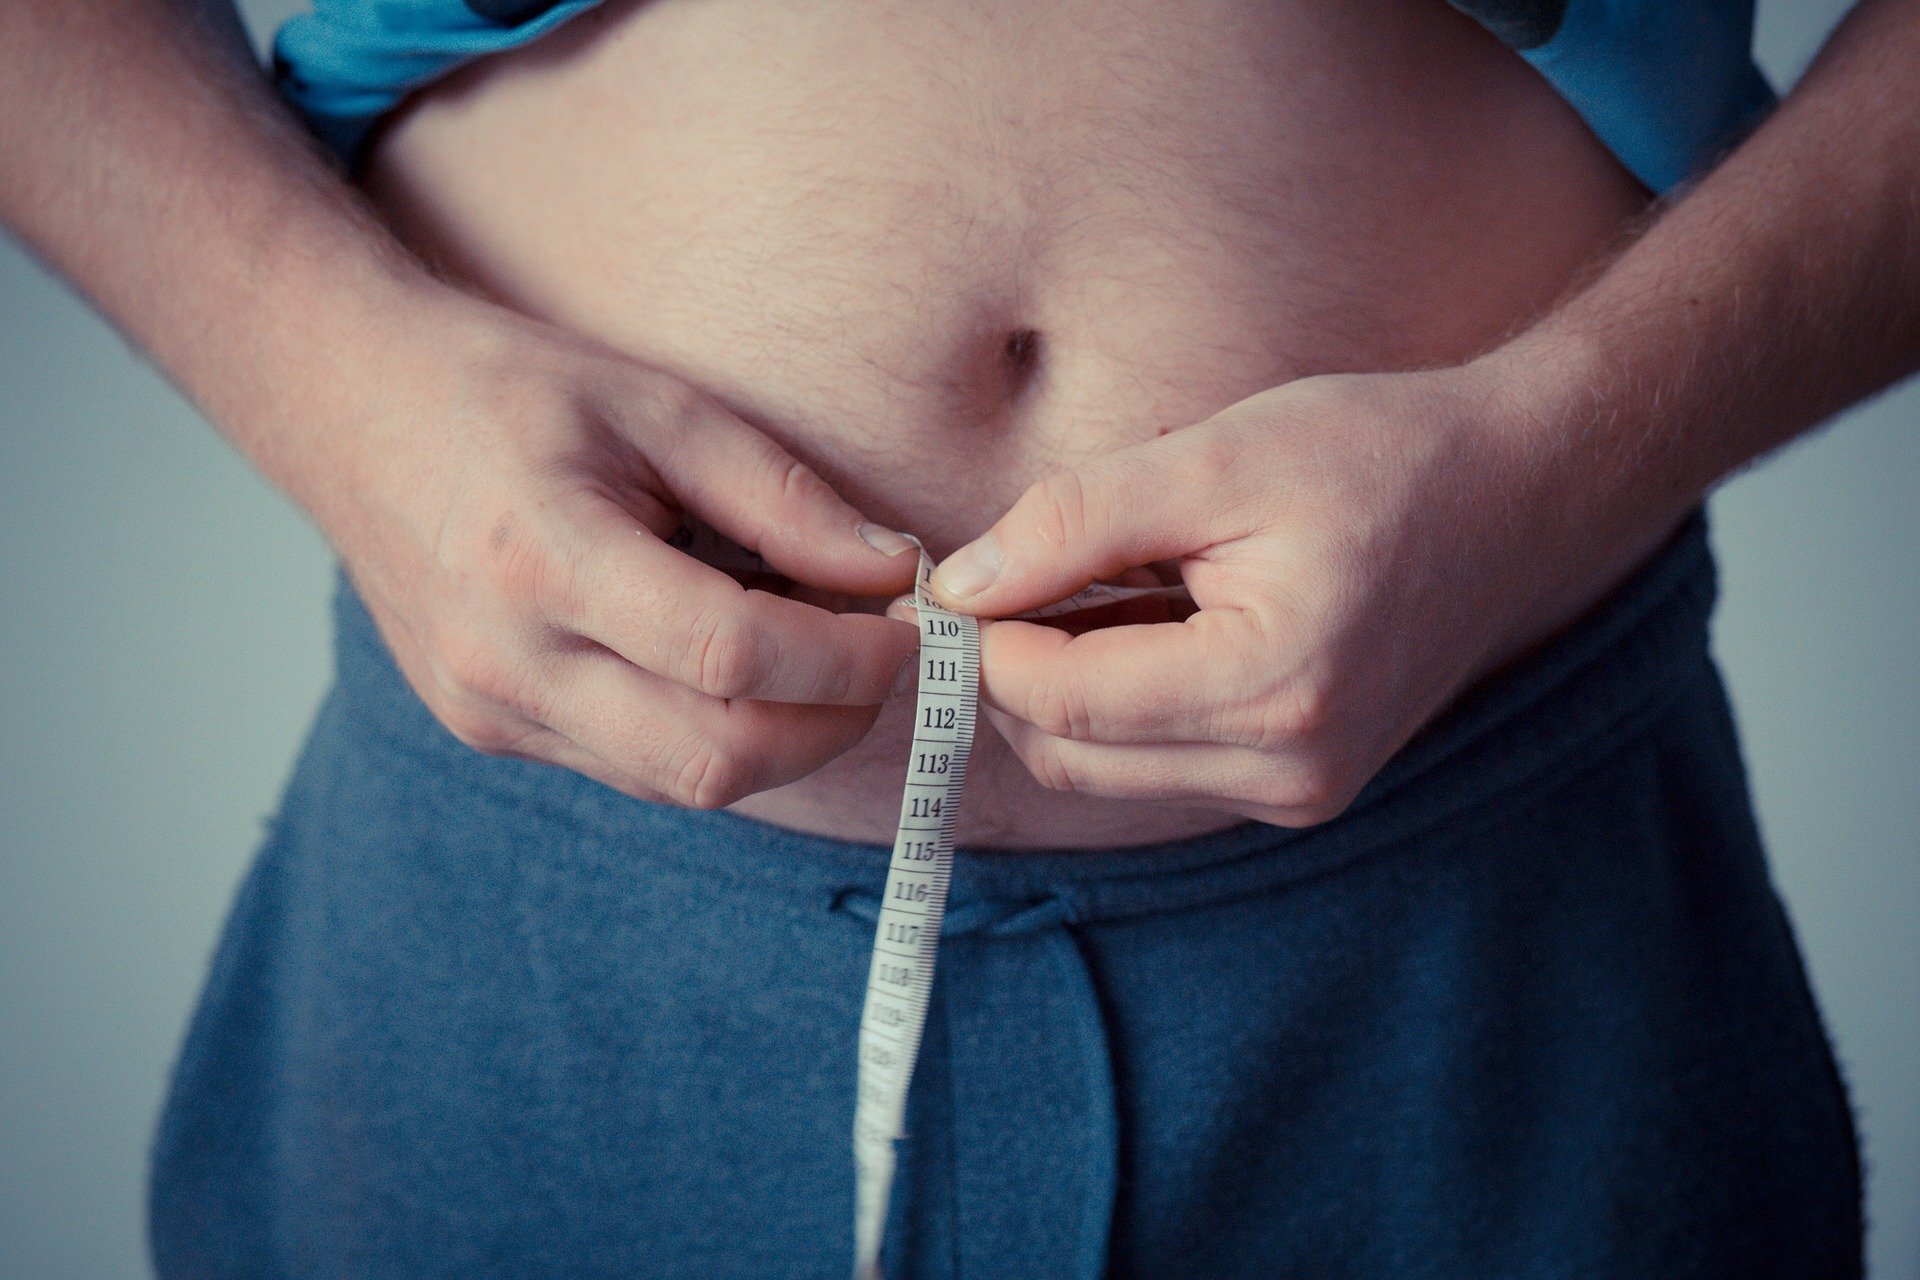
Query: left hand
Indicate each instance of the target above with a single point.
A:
(1361, 548)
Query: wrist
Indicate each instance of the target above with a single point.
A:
(1609, 440)
(1594, 487)
(336, 374)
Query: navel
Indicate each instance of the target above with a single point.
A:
(1022, 349)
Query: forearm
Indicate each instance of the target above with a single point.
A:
(1781, 289)
(147, 161)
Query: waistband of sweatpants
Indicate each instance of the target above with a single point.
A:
(1594, 687)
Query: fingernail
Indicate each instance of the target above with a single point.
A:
(970, 570)
(884, 540)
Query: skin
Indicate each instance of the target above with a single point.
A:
(1372, 545)
(499, 472)
(500, 488)
(848, 245)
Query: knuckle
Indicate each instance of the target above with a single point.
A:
(709, 775)
(1215, 458)
(781, 484)
(477, 677)
(1060, 707)
(1315, 792)
(1048, 766)
(723, 658)
(797, 484)
(842, 680)
(1298, 713)
(473, 669)
(524, 562)
(557, 585)
(667, 403)
(637, 785)
(1217, 466)
(482, 729)
(1059, 510)
(1050, 771)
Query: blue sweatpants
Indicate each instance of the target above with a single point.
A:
(1531, 1008)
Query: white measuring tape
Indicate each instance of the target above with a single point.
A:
(906, 936)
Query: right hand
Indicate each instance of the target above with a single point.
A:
(503, 508)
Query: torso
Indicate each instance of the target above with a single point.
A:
(839, 217)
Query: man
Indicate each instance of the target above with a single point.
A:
(1347, 313)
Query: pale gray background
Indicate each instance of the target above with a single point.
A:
(162, 647)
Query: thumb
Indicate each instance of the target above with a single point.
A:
(1148, 502)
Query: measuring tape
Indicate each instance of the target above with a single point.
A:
(906, 937)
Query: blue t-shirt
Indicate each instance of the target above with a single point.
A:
(1668, 85)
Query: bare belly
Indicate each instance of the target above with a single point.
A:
(940, 249)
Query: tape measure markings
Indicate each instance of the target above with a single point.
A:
(900, 983)
(913, 903)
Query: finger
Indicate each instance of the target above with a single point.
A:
(655, 738)
(1141, 611)
(670, 614)
(1162, 500)
(1212, 678)
(741, 482)
(1270, 788)
(544, 745)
